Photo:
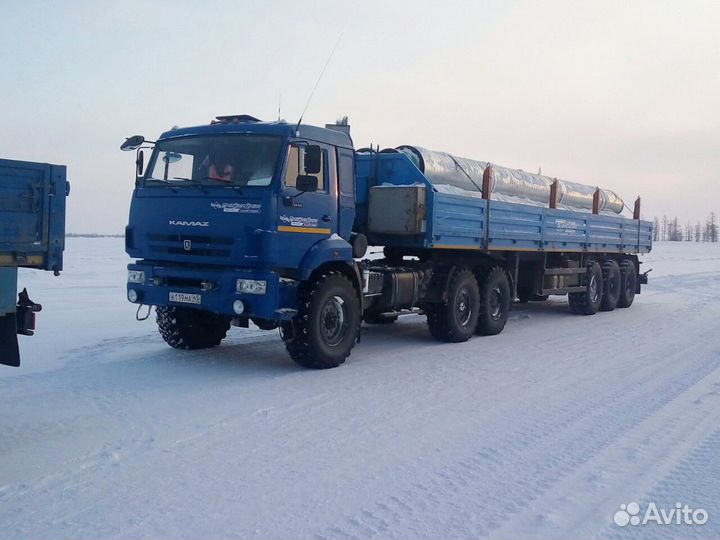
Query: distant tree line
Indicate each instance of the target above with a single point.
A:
(670, 230)
(93, 235)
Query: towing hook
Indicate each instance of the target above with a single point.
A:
(26, 304)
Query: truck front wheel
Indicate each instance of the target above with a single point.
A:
(186, 328)
(327, 325)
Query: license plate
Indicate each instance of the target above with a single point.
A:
(185, 298)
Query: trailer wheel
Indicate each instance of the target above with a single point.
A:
(327, 325)
(628, 283)
(455, 319)
(494, 303)
(186, 328)
(588, 301)
(611, 285)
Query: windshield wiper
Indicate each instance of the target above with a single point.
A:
(193, 181)
(227, 183)
(163, 181)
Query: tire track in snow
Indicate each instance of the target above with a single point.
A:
(571, 439)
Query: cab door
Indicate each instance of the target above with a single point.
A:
(306, 217)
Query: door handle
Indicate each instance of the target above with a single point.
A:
(326, 218)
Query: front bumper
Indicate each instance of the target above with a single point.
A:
(216, 290)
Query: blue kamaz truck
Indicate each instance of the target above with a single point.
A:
(241, 221)
(32, 235)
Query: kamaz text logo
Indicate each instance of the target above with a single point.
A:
(189, 223)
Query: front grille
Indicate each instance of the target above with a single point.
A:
(191, 245)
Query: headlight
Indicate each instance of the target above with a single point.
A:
(136, 276)
(251, 286)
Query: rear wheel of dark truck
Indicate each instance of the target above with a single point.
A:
(327, 325)
(455, 320)
(611, 285)
(494, 302)
(588, 301)
(628, 283)
(186, 328)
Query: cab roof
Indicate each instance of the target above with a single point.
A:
(247, 124)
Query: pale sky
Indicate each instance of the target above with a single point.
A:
(618, 94)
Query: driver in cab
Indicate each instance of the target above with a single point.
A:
(222, 172)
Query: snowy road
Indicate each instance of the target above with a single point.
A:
(541, 431)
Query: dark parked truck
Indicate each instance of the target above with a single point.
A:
(32, 235)
(245, 221)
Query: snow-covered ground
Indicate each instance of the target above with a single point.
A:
(542, 431)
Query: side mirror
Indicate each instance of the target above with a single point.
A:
(305, 182)
(139, 163)
(313, 160)
(132, 143)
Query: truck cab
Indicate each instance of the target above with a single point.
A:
(228, 219)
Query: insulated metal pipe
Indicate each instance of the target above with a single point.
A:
(442, 168)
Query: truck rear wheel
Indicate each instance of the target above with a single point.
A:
(611, 285)
(588, 301)
(186, 328)
(628, 282)
(455, 320)
(494, 303)
(327, 325)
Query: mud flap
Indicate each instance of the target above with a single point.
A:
(9, 351)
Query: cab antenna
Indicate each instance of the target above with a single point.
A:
(297, 133)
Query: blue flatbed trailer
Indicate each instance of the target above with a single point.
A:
(246, 221)
(456, 221)
(32, 235)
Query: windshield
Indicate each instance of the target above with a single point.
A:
(230, 160)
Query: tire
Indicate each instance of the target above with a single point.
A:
(327, 325)
(588, 301)
(494, 302)
(611, 285)
(186, 328)
(628, 283)
(454, 320)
